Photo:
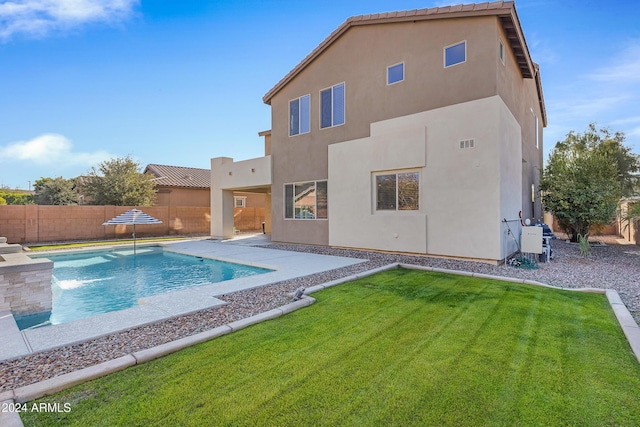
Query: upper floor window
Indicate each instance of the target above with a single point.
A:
(300, 115)
(332, 106)
(395, 73)
(501, 52)
(305, 200)
(397, 191)
(455, 54)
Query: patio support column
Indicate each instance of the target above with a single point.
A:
(227, 176)
(267, 212)
(221, 213)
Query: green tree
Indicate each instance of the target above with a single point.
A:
(612, 146)
(585, 177)
(2, 201)
(119, 182)
(16, 197)
(55, 191)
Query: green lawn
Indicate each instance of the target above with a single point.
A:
(399, 348)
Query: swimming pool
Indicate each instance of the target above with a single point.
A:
(91, 283)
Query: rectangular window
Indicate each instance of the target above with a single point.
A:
(240, 201)
(395, 73)
(386, 192)
(332, 106)
(501, 52)
(455, 54)
(467, 143)
(305, 200)
(537, 134)
(288, 201)
(322, 203)
(536, 131)
(300, 115)
(398, 191)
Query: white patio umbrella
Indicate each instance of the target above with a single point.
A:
(133, 217)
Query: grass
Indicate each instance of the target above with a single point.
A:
(399, 348)
(100, 243)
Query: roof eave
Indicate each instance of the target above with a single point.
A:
(511, 25)
(186, 187)
(543, 108)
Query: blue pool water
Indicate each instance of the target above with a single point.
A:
(87, 284)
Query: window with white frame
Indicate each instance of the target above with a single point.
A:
(536, 131)
(455, 54)
(300, 115)
(306, 200)
(467, 143)
(395, 73)
(397, 191)
(332, 106)
(240, 201)
(537, 134)
(501, 51)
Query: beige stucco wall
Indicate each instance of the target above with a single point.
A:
(368, 98)
(228, 177)
(228, 174)
(464, 193)
(521, 97)
(354, 221)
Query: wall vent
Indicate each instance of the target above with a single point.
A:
(467, 143)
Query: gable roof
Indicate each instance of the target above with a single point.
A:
(178, 176)
(504, 10)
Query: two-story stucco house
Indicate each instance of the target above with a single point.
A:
(416, 131)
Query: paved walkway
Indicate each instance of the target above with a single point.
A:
(285, 265)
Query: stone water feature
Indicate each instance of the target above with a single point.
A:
(25, 283)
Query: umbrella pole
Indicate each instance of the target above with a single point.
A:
(134, 238)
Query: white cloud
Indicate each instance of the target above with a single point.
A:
(50, 149)
(635, 132)
(624, 68)
(37, 18)
(626, 120)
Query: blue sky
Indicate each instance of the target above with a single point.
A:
(178, 82)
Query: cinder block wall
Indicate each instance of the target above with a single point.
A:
(35, 223)
(248, 219)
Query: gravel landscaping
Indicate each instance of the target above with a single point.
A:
(609, 266)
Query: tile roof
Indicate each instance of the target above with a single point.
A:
(178, 176)
(504, 10)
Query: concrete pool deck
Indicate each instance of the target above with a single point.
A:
(286, 265)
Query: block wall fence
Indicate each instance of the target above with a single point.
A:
(36, 223)
(39, 223)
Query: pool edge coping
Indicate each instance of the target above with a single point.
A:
(58, 383)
